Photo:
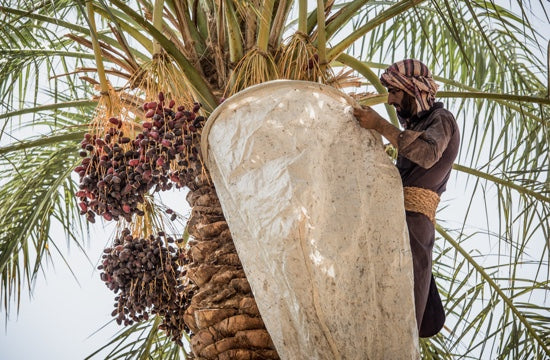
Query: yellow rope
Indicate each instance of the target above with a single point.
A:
(421, 200)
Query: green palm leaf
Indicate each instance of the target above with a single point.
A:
(141, 341)
(38, 189)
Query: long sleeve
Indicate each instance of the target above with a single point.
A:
(425, 148)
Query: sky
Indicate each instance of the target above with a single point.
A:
(60, 319)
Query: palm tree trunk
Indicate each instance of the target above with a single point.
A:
(223, 316)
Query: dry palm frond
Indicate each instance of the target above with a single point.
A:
(369, 99)
(298, 60)
(254, 68)
(161, 74)
(111, 71)
(344, 78)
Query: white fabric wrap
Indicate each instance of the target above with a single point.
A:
(315, 208)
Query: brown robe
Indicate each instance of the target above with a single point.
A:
(427, 149)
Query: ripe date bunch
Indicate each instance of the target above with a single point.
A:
(146, 274)
(117, 171)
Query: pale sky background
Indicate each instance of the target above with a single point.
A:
(57, 323)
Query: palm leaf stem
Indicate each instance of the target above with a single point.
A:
(279, 23)
(496, 97)
(379, 19)
(219, 24)
(364, 69)
(43, 141)
(44, 52)
(312, 20)
(495, 287)
(312, 17)
(201, 88)
(321, 39)
(265, 24)
(157, 21)
(111, 71)
(510, 105)
(234, 32)
(493, 96)
(36, 109)
(494, 179)
(97, 53)
(302, 16)
(174, 36)
(151, 336)
(200, 21)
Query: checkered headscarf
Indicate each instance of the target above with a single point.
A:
(414, 78)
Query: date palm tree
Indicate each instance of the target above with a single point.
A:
(65, 64)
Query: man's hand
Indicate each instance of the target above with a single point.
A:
(370, 119)
(367, 117)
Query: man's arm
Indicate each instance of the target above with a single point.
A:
(424, 148)
(370, 119)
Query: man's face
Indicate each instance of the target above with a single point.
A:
(404, 104)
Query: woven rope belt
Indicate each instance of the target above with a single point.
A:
(422, 201)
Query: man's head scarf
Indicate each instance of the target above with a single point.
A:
(414, 78)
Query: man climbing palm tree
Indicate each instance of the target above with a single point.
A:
(427, 147)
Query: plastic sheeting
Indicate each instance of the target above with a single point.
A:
(315, 208)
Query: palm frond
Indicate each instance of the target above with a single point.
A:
(143, 341)
(522, 324)
(36, 189)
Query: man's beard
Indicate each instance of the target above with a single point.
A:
(405, 111)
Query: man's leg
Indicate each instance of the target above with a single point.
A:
(421, 236)
(434, 314)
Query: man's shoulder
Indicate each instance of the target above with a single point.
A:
(441, 111)
(440, 115)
